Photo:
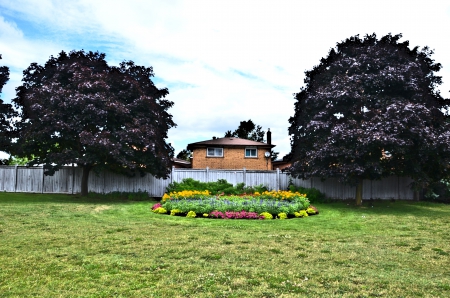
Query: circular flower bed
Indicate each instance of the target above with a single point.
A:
(266, 205)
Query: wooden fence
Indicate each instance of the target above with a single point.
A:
(68, 180)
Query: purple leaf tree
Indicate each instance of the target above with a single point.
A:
(370, 109)
(78, 109)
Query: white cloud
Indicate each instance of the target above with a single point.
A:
(223, 61)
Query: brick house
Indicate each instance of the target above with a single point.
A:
(232, 153)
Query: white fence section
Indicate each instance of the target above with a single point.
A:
(68, 180)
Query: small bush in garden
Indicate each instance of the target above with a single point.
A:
(316, 211)
(157, 205)
(235, 215)
(266, 215)
(301, 213)
(191, 194)
(311, 210)
(217, 214)
(175, 212)
(313, 194)
(242, 215)
(282, 215)
(281, 195)
(220, 186)
(260, 188)
(191, 214)
(160, 210)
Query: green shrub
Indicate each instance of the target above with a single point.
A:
(191, 214)
(218, 187)
(313, 194)
(160, 210)
(266, 215)
(301, 213)
(260, 188)
(282, 215)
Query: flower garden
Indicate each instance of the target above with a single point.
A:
(236, 203)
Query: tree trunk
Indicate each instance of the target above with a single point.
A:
(359, 191)
(84, 180)
(416, 195)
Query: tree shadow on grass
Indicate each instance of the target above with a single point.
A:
(28, 198)
(390, 207)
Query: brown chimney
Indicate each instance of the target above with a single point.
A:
(269, 137)
(214, 138)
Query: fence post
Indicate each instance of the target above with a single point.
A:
(207, 174)
(73, 176)
(15, 177)
(104, 181)
(278, 179)
(244, 180)
(43, 177)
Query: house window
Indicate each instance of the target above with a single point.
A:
(251, 152)
(214, 152)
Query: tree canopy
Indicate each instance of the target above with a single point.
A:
(250, 131)
(247, 130)
(371, 109)
(78, 109)
(6, 113)
(184, 154)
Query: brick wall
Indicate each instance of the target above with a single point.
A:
(233, 158)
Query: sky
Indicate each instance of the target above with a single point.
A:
(223, 61)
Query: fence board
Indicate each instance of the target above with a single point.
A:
(60, 182)
(29, 179)
(7, 178)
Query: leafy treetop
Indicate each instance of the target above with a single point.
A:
(6, 114)
(371, 109)
(78, 109)
(248, 130)
(184, 154)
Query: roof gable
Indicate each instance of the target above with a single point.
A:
(226, 142)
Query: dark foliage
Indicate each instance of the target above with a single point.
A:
(78, 109)
(6, 114)
(248, 130)
(184, 154)
(313, 194)
(371, 109)
(218, 187)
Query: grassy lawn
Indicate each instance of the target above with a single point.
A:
(67, 246)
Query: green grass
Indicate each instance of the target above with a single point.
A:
(67, 246)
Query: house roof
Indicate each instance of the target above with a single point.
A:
(228, 142)
(180, 161)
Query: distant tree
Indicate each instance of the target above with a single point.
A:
(21, 161)
(248, 130)
(370, 109)
(78, 109)
(6, 114)
(184, 154)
